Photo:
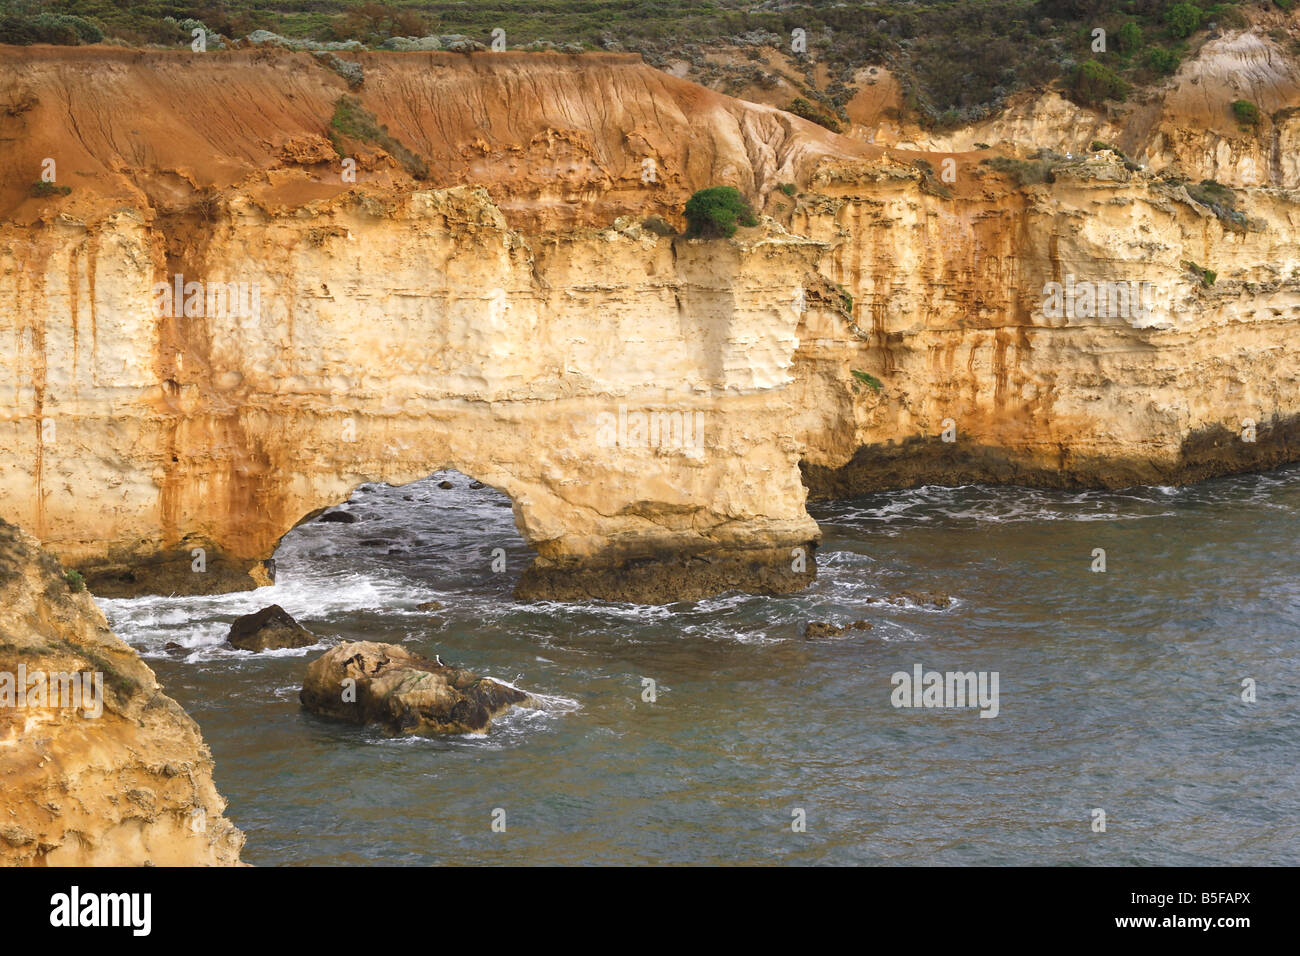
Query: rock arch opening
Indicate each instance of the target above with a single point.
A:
(444, 535)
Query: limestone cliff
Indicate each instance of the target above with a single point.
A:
(1195, 379)
(103, 770)
(657, 408)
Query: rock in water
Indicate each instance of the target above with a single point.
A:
(403, 692)
(268, 629)
(815, 629)
(936, 600)
(429, 606)
(338, 517)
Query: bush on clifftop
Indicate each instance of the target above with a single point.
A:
(714, 213)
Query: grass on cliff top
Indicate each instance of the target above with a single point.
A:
(957, 60)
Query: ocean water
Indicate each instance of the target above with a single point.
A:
(1119, 691)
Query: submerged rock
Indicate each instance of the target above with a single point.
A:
(444, 485)
(268, 629)
(429, 606)
(340, 517)
(931, 599)
(816, 629)
(668, 576)
(369, 683)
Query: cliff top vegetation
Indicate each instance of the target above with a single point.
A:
(957, 60)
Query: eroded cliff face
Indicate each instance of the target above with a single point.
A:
(654, 406)
(1189, 381)
(558, 141)
(111, 774)
(396, 336)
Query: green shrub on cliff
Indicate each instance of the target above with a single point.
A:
(1093, 82)
(40, 189)
(868, 379)
(57, 28)
(846, 299)
(802, 108)
(715, 212)
(1223, 203)
(1247, 113)
(1226, 15)
(1130, 37)
(1162, 61)
(1184, 19)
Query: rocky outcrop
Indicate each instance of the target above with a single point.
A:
(271, 628)
(658, 409)
(338, 517)
(815, 630)
(932, 600)
(388, 686)
(98, 766)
